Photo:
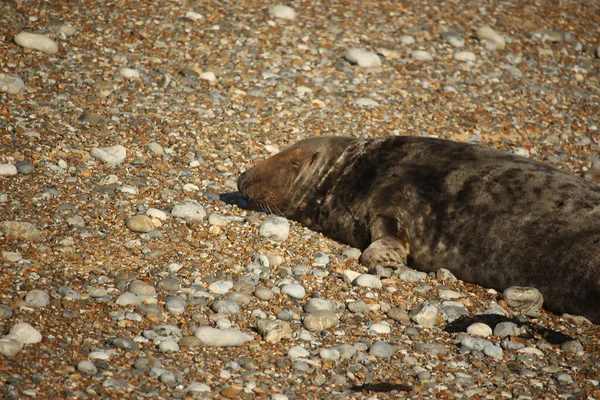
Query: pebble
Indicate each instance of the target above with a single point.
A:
(412, 276)
(320, 259)
(140, 223)
(350, 276)
(296, 352)
(528, 300)
(493, 351)
(366, 102)
(380, 328)
(175, 305)
(465, 56)
(433, 349)
(454, 39)
(382, 350)
(276, 229)
(479, 329)
(421, 55)
(198, 387)
(128, 299)
(425, 314)
(141, 288)
(217, 220)
(330, 354)
(445, 275)
(491, 38)
(282, 12)
(294, 290)
(273, 331)
(319, 320)
(25, 168)
(168, 345)
(36, 42)
(507, 328)
(123, 344)
(11, 256)
(572, 347)
(368, 280)
(220, 287)
(9, 346)
(25, 333)
(21, 230)
(189, 209)
(351, 253)
(5, 311)
(263, 293)
(129, 73)
(316, 304)
(407, 40)
(226, 307)
(10, 84)
(189, 342)
(113, 155)
(222, 337)
(363, 58)
(87, 367)
(37, 298)
(398, 314)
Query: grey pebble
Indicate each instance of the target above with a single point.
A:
(316, 304)
(382, 350)
(319, 320)
(263, 293)
(69, 293)
(25, 168)
(528, 300)
(142, 288)
(37, 298)
(117, 384)
(128, 299)
(506, 328)
(5, 312)
(226, 307)
(432, 349)
(170, 285)
(274, 331)
(294, 290)
(175, 305)
(123, 343)
(87, 367)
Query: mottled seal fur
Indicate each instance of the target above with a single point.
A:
(490, 217)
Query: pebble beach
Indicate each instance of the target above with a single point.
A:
(130, 266)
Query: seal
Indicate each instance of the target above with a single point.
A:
(492, 218)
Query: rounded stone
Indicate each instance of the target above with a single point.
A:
(382, 350)
(479, 329)
(363, 58)
(26, 333)
(294, 290)
(87, 367)
(37, 42)
(37, 298)
(113, 155)
(282, 12)
(319, 320)
(189, 209)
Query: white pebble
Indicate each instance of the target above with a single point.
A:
(283, 12)
(26, 333)
(36, 42)
(465, 56)
(425, 315)
(350, 276)
(208, 76)
(363, 58)
(8, 169)
(381, 327)
(407, 40)
(168, 345)
(128, 299)
(9, 346)
(421, 55)
(276, 229)
(194, 16)
(297, 352)
(189, 209)
(491, 39)
(294, 290)
(11, 84)
(198, 387)
(114, 155)
(368, 280)
(222, 337)
(129, 73)
(220, 287)
(37, 298)
(479, 329)
(366, 102)
(156, 213)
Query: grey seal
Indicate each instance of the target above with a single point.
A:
(492, 218)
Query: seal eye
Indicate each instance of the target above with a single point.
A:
(296, 164)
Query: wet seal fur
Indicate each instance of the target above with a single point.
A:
(491, 217)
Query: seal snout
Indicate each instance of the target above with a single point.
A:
(242, 180)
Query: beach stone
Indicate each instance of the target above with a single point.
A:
(454, 39)
(189, 342)
(113, 155)
(433, 349)
(273, 331)
(412, 276)
(222, 337)
(407, 40)
(128, 299)
(11, 256)
(316, 304)
(26, 333)
(21, 230)
(140, 223)
(398, 314)
(217, 220)
(10, 345)
(276, 229)
(363, 58)
(506, 328)
(528, 300)
(168, 345)
(368, 280)
(10, 84)
(479, 329)
(263, 293)
(572, 347)
(294, 290)
(382, 350)
(175, 305)
(226, 307)
(198, 387)
(189, 209)
(129, 73)
(445, 275)
(380, 328)
(25, 168)
(421, 55)
(36, 42)
(282, 12)
(366, 102)
(425, 314)
(141, 288)
(350, 275)
(465, 56)
(351, 253)
(5, 312)
(37, 298)
(87, 367)
(220, 287)
(491, 38)
(297, 352)
(319, 320)
(493, 351)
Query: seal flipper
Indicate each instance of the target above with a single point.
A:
(387, 251)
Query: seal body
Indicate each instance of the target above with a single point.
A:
(492, 218)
